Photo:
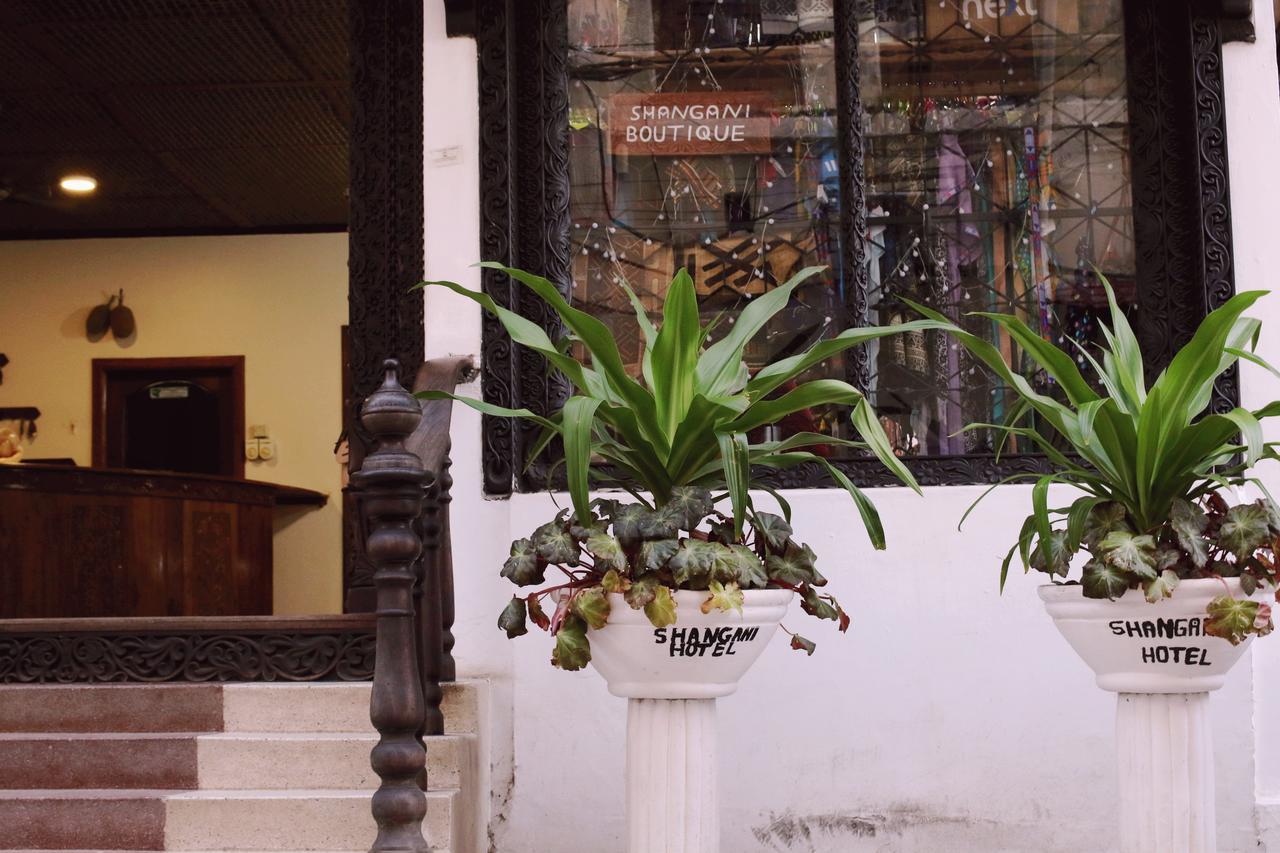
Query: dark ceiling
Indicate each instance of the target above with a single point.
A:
(195, 116)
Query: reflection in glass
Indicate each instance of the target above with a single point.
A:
(703, 136)
(996, 150)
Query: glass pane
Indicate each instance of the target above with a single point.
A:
(997, 180)
(704, 137)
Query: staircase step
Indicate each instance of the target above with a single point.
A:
(96, 819)
(329, 707)
(287, 820)
(76, 760)
(111, 708)
(282, 760)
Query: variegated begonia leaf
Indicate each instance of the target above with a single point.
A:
(773, 529)
(1101, 580)
(662, 609)
(689, 505)
(1162, 587)
(1245, 529)
(613, 582)
(1130, 553)
(555, 544)
(512, 618)
(1188, 522)
(1052, 556)
(1234, 619)
(524, 567)
(642, 591)
(724, 597)
(606, 552)
(593, 606)
(573, 650)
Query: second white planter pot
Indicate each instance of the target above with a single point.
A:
(1163, 665)
(1137, 647)
(671, 678)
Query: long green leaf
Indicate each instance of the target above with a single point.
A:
(599, 342)
(778, 373)
(529, 334)
(578, 416)
(737, 475)
(819, 392)
(866, 509)
(490, 409)
(872, 432)
(718, 368)
(675, 354)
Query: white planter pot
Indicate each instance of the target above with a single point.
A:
(671, 677)
(1163, 665)
(1137, 647)
(701, 656)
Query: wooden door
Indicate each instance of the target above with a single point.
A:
(170, 414)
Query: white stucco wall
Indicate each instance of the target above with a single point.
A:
(1253, 125)
(949, 718)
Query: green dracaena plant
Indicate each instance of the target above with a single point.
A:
(1149, 461)
(676, 438)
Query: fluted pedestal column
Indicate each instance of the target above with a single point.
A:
(672, 794)
(1164, 744)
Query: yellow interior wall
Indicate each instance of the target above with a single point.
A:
(278, 300)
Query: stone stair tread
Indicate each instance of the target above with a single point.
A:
(336, 706)
(196, 794)
(370, 736)
(85, 793)
(239, 760)
(288, 820)
(286, 794)
(74, 737)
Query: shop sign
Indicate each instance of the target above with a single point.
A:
(998, 17)
(677, 124)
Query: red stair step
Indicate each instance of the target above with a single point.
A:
(77, 760)
(111, 708)
(82, 820)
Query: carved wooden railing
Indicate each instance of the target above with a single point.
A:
(403, 487)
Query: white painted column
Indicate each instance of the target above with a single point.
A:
(672, 794)
(1164, 744)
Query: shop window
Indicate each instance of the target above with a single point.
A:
(974, 155)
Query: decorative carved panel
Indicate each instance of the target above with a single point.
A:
(157, 657)
(386, 224)
(386, 237)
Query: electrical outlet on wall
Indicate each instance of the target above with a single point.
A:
(258, 447)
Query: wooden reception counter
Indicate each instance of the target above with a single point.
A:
(89, 542)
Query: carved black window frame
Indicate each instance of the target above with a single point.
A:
(1180, 187)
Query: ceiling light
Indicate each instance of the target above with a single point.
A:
(78, 184)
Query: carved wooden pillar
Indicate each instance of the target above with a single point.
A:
(427, 607)
(391, 481)
(385, 227)
(448, 669)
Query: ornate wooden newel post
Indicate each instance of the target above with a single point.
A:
(392, 482)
